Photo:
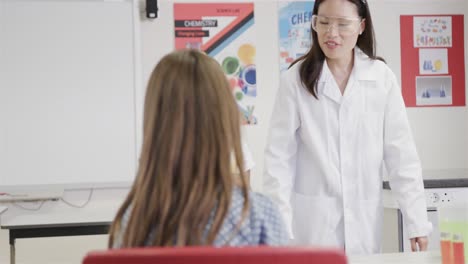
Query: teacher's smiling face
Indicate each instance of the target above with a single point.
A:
(338, 26)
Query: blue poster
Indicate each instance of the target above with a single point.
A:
(294, 30)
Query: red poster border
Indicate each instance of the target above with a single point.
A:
(195, 11)
(410, 60)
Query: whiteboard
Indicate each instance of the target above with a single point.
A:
(69, 77)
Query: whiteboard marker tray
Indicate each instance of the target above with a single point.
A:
(31, 194)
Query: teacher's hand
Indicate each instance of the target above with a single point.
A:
(419, 243)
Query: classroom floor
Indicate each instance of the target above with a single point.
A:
(52, 250)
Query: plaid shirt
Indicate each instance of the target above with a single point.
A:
(262, 226)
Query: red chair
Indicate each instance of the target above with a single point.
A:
(212, 255)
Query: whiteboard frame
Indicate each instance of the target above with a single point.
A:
(138, 97)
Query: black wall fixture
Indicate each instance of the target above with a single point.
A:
(152, 9)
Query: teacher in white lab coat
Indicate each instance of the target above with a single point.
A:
(338, 121)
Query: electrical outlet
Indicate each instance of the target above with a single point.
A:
(445, 196)
(433, 197)
(439, 197)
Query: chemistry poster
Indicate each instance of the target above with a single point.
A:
(432, 60)
(294, 30)
(226, 32)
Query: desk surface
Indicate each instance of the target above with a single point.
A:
(48, 224)
(431, 257)
(60, 219)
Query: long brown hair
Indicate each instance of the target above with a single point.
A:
(312, 62)
(191, 129)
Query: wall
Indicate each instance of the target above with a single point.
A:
(441, 134)
(157, 40)
(428, 124)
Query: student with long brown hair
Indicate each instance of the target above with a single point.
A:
(185, 192)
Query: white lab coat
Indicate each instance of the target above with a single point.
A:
(324, 160)
(249, 162)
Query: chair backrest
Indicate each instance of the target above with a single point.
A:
(212, 255)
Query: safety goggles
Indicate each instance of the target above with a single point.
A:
(345, 26)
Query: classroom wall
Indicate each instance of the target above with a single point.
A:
(157, 40)
(441, 134)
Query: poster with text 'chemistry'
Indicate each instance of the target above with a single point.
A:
(226, 32)
(294, 30)
(432, 60)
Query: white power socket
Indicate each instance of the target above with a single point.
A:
(432, 197)
(437, 197)
(440, 196)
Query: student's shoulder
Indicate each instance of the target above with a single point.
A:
(262, 205)
(259, 203)
(257, 200)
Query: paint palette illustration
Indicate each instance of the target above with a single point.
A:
(242, 75)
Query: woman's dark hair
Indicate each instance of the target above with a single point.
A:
(312, 62)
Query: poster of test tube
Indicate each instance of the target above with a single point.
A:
(433, 90)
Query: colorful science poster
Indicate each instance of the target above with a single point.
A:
(294, 30)
(226, 32)
(432, 60)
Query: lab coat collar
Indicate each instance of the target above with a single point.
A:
(362, 71)
(327, 84)
(362, 68)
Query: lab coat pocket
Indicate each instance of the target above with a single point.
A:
(312, 224)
